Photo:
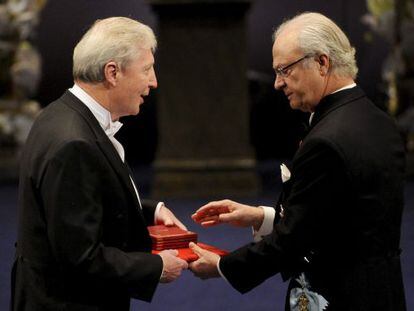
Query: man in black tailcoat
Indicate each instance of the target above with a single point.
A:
(336, 230)
(83, 242)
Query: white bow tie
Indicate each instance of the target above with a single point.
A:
(113, 128)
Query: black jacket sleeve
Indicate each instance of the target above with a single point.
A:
(72, 189)
(308, 213)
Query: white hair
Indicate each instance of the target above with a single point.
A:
(117, 39)
(319, 35)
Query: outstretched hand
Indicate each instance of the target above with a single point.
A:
(227, 211)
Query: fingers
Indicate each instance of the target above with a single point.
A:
(210, 223)
(172, 252)
(215, 207)
(173, 221)
(168, 222)
(229, 217)
(206, 265)
(196, 249)
(184, 264)
(179, 224)
(168, 218)
(172, 266)
(211, 211)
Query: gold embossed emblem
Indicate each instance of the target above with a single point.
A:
(303, 302)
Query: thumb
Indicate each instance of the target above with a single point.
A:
(196, 249)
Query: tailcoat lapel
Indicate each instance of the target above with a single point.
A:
(333, 101)
(104, 144)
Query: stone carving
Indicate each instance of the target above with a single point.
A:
(394, 20)
(20, 74)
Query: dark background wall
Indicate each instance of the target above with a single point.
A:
(275, 129)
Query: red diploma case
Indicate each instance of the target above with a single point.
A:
(164, 237)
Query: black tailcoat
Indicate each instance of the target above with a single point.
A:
(342, 211)
(83, 242)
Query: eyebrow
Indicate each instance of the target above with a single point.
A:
(148, 66)
(279, 66)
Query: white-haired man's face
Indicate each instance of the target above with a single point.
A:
(132, 85)
(302, 83)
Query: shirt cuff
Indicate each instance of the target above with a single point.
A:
(267, 225)
(219, 271)
(157, 211)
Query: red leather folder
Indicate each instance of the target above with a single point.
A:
(188, 255)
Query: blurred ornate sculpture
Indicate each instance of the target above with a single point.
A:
(21, 65)
(394, 20)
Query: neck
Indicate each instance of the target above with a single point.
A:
(335, 83)
(99, 93)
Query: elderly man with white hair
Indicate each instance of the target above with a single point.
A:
(83, 242)
(335, 232)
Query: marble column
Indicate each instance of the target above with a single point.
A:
(202, 101)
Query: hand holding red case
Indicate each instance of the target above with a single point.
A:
(164, 237)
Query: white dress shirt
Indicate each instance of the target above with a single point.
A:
(110, 127)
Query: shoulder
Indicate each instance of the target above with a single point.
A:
(60, 132)
(352, 124)
(58, 122)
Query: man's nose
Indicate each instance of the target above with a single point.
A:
(279, 82)
(153, 83)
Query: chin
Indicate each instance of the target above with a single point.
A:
(294, 106)
(298, 106)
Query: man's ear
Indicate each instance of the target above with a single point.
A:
(111, 73)
(324, 64)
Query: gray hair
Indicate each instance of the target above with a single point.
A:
(117, 39)
(320, 35)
